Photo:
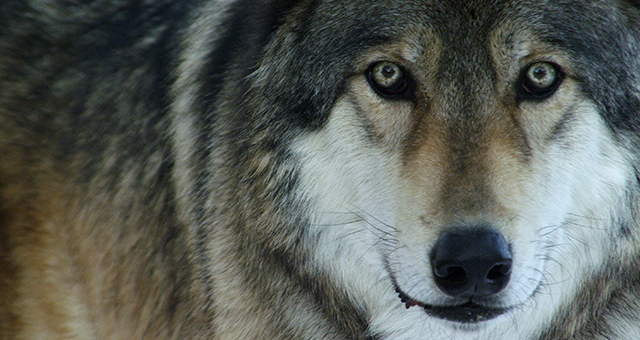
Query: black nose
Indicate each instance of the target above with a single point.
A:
(471, 262)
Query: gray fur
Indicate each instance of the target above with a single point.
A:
(152, 164)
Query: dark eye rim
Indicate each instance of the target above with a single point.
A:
(526, 90)
(402, 91)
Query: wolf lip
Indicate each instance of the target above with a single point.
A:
(468, 312)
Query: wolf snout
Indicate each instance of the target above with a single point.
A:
(471, 262)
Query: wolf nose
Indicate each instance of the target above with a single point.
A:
(471, 262)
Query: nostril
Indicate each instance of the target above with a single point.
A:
(498, 273)
(452, 274)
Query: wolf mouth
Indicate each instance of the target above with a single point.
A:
(468, 312)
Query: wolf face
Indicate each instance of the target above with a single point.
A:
(469, 172)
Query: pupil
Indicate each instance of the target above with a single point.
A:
(388, 71)
(540, 73)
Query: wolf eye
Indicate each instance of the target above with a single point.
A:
(388, 79)
(540, 80)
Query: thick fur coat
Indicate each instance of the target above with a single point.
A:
(380, 170)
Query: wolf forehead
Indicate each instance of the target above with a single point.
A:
(325, 43)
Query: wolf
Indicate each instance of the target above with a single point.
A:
(318, 169)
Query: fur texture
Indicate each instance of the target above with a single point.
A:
(239, 169)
